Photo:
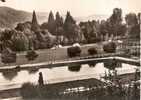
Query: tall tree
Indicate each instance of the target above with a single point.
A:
(91, 30)
(34, 26)
(71, 29)
(131, 19)
(133, 28)
(115, 26)
(103, 29)
(59, 20)
(58, 24)
(51, 23)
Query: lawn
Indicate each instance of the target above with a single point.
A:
(48, 55)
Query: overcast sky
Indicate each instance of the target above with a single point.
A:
(76, 7)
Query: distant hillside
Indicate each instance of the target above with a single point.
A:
(10, 17)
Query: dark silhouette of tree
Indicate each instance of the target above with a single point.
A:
(73, 51)
(103, 29)
(116, 16)
(131, 19)
(115, 26)
(91, 30)
(59, 20)
(110, 47)
(69, 19)
(92, 51)
(8, 56)
(133, 24)
(72, 31)
(34, 25)
(31, 55)
(5, 39)
(51, 23)
(23, 26)
(59, 25)
(20, 41)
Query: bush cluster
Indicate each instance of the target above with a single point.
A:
(31, 55)
(74, 51)
(92, 51)
(109, 47)
(8, 56)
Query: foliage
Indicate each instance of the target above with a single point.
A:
(71, 29)
(34, 25)
(6, 34)
(133, 25)
(8, 56)
(92, 51)
(51, 23)
(97, 92)
(59, 25)
(109, 47)
(23, 26)
(91, 31)
(73, 51)
(131, 19)
(103, 29)
(20, 41)
(31, 35)
(31, 55)
(114, 23)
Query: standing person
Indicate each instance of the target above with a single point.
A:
(40, 81)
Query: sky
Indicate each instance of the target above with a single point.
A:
(76, 7)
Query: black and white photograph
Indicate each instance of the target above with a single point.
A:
(70, 49)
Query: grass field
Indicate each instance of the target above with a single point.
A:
(48, 55)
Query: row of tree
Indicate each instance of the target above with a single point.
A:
(31, 35)
(113, 27)
(58, 27)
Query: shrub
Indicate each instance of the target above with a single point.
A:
(29, 90)
(110, 47)
(31, 55)
(20, 41)
(73, 51)
(74, 68)
(8, 56)
(92, 51)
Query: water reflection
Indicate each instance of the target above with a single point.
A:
(112, 64)
(74, 68)
(33, 71)
(9, 75)
(58, 74)
(92, 64)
